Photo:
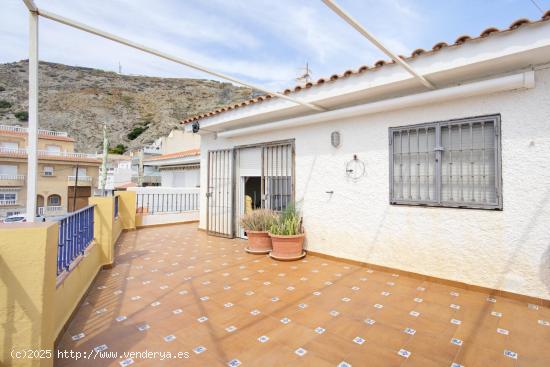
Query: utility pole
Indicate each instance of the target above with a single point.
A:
(75, 188)
(104, 160)
(140, 168)
(32, 154)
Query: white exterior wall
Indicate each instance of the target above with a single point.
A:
(508, 250)
(189, 177)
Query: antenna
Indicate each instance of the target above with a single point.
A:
(305, 77)
(119, 68)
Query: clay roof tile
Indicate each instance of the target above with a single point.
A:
(460, 40)
(417, 52)
(488, 31)
(518, 23)
(438, 46)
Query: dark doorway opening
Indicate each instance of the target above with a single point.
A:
(252, 193)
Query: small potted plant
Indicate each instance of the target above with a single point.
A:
(256, 225)
(287, 236)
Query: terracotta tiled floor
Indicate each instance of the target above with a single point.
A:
(188, 292)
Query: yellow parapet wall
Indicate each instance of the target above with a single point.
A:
(35, 304)
(127, 209)
(28, 255)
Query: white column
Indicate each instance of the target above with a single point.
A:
(32, 164)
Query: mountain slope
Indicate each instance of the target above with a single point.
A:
(79, 100)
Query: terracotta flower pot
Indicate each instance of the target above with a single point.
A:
(287, 247)
(259, 242)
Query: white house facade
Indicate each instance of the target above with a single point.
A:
(452, 183)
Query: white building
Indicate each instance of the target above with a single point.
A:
(179, 163)
(452, 183)
(119, 172)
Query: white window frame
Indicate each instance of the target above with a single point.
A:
(4, 193)
(436, 201)
(48, 200)
(48, 172)
(53, 148)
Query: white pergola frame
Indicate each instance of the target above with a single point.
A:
(35, 12)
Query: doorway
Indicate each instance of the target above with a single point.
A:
(245, 178)
(252, 193)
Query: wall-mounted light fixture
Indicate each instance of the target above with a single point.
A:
(335, 139)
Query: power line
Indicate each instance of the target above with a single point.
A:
(537, 6)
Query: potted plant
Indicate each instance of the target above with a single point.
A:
(287, 236)
(256, 225)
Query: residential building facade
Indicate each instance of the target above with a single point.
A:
(118, 172)
(449, 183)
(65, 178)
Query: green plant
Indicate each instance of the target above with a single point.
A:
(136, 132)
(258, 220)
(22, 115)
(119, 149)
(289, 223)
(4, 104)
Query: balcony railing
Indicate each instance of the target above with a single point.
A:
(51, 209)
(45, 153)
(151, 149)
(8, 202)
(4, 177)
(19, 129)
(148, 179)
(80, 178)
(76, 232)
(167, 203)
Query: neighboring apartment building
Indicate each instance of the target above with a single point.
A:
(179, 163)
(119, 172)
(57, 188)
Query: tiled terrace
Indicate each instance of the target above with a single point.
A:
(176, 289)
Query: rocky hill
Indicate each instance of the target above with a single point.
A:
(137, 109)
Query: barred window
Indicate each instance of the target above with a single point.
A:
(450, 163)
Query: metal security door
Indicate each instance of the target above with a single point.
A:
(277, 175)
(220, 193)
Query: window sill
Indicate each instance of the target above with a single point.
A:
(446, 206)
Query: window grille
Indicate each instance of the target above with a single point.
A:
(451, 163)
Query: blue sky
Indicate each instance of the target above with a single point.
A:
(261, 41)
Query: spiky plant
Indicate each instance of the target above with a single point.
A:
(258, 220)
(289, 223)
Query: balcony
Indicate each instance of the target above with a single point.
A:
(232, 308)
(82, 180)
(147, 179)
(175, 288)
(50, 210)
(151, 149)
(44, 154)
(8, 202)
(12, 180)
(24, 130)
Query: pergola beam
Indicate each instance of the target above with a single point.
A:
(179, 60)
(358, 27)
(31, 5)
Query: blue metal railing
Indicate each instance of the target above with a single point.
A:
(116, 207)
(76, 232)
